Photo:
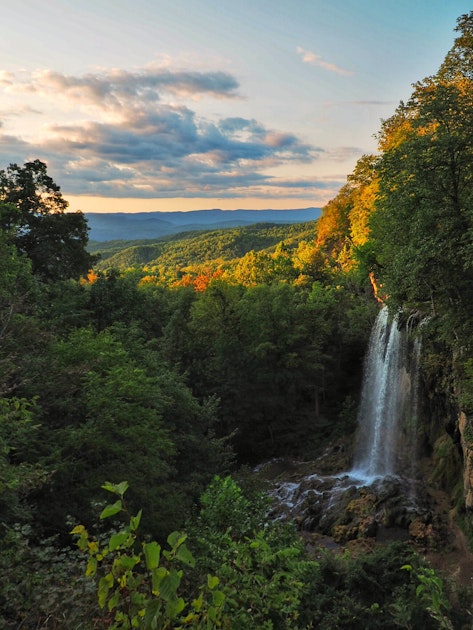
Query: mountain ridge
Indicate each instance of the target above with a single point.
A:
(199, 246)
(146, 225)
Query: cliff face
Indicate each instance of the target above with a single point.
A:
(447, 429)
(466, 440)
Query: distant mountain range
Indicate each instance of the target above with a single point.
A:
(143, 225)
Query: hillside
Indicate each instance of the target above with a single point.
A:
(145, 225)
(198, 247)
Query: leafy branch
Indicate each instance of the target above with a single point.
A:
(139, 583)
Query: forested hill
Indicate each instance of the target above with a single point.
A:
(140, 225)
(199, 247)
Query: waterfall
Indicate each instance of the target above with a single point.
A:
(387, 420)
(386, 449)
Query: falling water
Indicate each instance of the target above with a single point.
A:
(386, 450)
(386, 442)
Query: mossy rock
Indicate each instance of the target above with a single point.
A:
(363, 506)
(447, 465)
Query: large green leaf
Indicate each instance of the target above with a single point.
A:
(116, 540)
(174, 607)
(105, 584)
(184, 555)
(111, 510)
(152, 554)
(170, 584)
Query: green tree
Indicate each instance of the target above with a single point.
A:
(423, 221)
(19, 325)
(18, 477)
(16, 283)
(35, 216)
(422, 228)
(459, 59)
(217, 357)
(260, 564)
(101, 415)
(109, 405)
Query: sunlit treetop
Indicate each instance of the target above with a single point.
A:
(459, 60)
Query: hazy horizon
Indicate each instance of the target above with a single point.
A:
(268, 209)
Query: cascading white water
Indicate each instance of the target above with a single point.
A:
(387, 444)
(386, 441)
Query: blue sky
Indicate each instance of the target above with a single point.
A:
(190, 104)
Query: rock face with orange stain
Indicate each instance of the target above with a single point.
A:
(376, 288)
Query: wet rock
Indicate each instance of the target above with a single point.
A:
(343, 533)
(336, 457)
(368, 528)
(418, 531)
(346, 508)
(363, 505)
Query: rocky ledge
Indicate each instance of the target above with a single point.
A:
(345, 508)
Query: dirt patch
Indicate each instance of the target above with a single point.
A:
(455, 559)
(456, 563)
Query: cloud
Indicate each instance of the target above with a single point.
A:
(171, 150)
(154, 143)
(341, 154)
(313, 59)
(320, 183)
(6, 78)
(169, 133)
(18, 111)
(121, 88)
(359, 103)
(14, 149)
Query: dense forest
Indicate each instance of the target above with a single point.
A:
(142, 382)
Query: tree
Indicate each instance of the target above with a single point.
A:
(19, 297)
(365, 188)
(333, 226)
(423, 223)
(34, 214)
(15, 283)
(424, 214)
(344, 224)
(459, 60)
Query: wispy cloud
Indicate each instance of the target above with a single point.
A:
(313, 59)
(118, 88)
(369, 103)
(360, 103)
(6, 78)
(342, 154)
(18, 111)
